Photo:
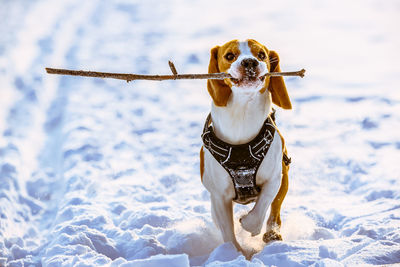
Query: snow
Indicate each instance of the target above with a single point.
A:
(104, 173)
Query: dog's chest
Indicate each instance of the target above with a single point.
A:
(217, 179)
(238, 123)
(242, 118)
(241, 161)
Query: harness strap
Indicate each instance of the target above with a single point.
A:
(286, 159)
(241, 161)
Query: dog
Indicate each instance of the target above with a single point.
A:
(243, 158)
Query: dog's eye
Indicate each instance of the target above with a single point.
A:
(261, 55)
(230, 56)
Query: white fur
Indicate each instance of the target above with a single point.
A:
(236, 123)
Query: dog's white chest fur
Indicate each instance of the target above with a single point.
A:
(237, 123)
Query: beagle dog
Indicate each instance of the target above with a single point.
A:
(243, 158)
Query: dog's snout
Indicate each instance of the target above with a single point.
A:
(249, 63)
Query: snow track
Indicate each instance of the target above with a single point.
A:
(103, 173)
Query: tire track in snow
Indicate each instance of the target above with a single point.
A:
(75, 227)
(120, 169)
(28, 122)
(48, 183)
(12, 13)
(21, 139)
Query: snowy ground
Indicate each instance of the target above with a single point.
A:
(103, 173)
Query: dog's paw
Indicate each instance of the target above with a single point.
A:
(249, 253)
(251, 224)
(272, 235)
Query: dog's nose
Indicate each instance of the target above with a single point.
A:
(249, 63)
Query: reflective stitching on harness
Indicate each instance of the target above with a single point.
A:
(241, 162)
(269, 124)
(257, 144)
(213, 151)
(267, 143)
(251, 153)
(228, 157)
(205, 133)
(218, 146)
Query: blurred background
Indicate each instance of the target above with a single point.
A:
(347, 48)
(62, 135)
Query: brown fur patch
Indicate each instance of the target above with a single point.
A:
(277, 87)
(201, 163)
(229, 47)
(256, 47)
(275, 217)
(219, 90)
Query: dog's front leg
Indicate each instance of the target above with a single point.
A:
(253, 221)
(274, 220)
(222, 214)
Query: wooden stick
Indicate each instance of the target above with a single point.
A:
(175, 76)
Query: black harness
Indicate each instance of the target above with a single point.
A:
(242, 161)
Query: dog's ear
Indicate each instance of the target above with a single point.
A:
(218, 90)
(277, 85)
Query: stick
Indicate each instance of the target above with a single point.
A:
(175, 76)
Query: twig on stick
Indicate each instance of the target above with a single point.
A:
(175, 76)
(172, 67)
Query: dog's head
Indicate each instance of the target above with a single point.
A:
(247, 62)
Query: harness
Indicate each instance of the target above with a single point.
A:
(242, 161)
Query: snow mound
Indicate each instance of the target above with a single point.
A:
(97, 172)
